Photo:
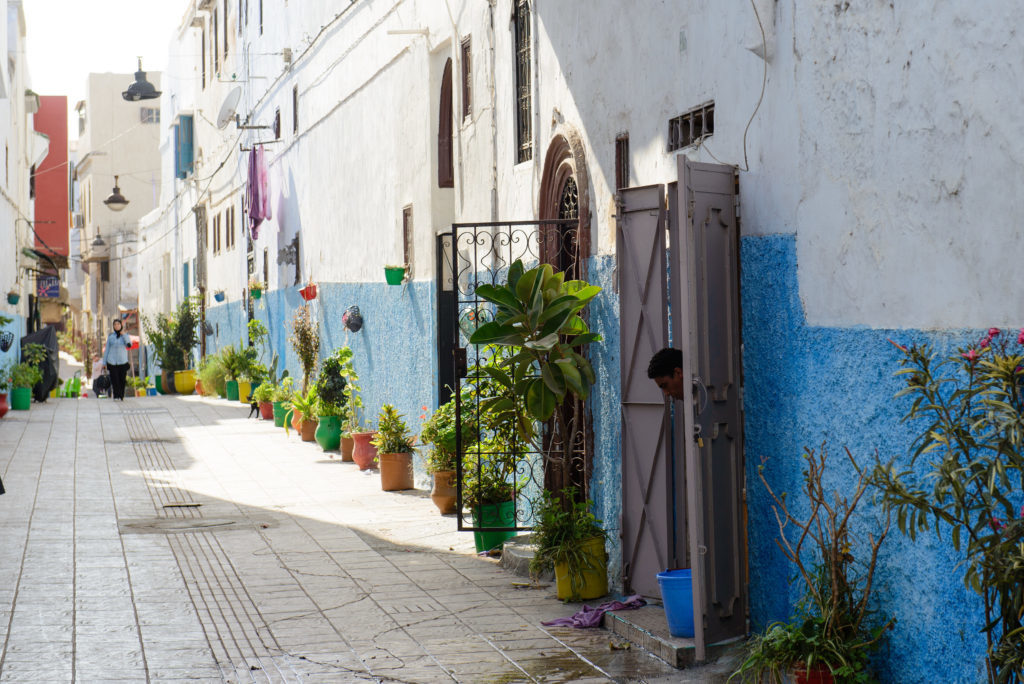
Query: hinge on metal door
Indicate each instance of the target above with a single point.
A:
(459, 359)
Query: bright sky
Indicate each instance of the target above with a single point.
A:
(69, 39)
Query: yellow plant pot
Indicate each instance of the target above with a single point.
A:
(244, 390)
(594, 574)
(185, 381)
(53, 394)
(142, 392)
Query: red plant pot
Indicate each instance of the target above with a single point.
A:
(4, 406)
(308, 292)
(817, 674)
(266, 410)
(364, 454)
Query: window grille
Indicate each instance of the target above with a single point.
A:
(692, 127)
(407, 239)
(524, 104)
(149, 115)
(277, 124)
(622, 161)
(213, 44)
(295, 109)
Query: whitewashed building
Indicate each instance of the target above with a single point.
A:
(876, 155)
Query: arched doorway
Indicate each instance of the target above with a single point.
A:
(565, 195)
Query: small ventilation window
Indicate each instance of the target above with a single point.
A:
(622, 161)
(691, 127)
(277, 124)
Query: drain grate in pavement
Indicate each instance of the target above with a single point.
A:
(177, 525)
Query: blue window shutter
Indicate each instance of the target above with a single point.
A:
(187, 158)
(177, 153)
(184, 273)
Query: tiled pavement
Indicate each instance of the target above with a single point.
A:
(172, 539)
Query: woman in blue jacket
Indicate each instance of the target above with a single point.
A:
(115, 358)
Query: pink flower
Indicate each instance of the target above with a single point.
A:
(996, 524)
(993, 332)
(1020, 338)
(1022, 511)
(985, 342)
(971, 355)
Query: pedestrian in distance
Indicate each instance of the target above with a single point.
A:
(115, 358)
(666, 369)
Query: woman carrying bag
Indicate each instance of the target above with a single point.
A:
(115, 358)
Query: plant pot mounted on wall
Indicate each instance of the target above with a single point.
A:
(394, 275)
(352, 319)
(218, 296)
(13, 297)
(308, 292)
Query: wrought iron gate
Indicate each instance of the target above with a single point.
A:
(472, 255)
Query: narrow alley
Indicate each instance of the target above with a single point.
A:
(173, 539)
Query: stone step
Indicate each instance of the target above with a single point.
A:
(647, 627)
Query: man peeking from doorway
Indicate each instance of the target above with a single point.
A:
(666, 369)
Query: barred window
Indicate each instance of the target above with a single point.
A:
(524, 103)
(149, 115)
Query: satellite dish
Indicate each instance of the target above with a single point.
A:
(229, 109)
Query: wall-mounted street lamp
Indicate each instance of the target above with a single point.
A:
(98, 241)
(141, 89)
(115, 200)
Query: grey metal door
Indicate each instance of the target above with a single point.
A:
(646, 527)
(708, 331)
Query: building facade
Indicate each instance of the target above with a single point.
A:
(868, 144)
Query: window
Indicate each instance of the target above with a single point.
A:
(277, 124)
(216, 233)
(445, 159)
(105, 271)
(295, 109)
(242, 12)
(202, 58)
(225, 31)
(407, 238)
(81, 118)
(524, 104)
(692, 127)
(149, 115)
(622, 161)
(184, 158)
(467, 79)
(213, 45)
(229, 216)
(32, 182)
(261, 16)
(266, 267)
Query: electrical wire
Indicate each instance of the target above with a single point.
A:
(764, 81)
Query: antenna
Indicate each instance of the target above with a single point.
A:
(229, 110)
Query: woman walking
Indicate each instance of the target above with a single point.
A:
(115, 358)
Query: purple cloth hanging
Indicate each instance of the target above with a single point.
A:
(591, 617)
(257, 196)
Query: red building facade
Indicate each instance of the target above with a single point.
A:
(51, 180)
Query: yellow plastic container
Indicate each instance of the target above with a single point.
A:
(594, 574)
(185, 381)
(244, 390)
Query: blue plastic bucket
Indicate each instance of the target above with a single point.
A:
(677, 595)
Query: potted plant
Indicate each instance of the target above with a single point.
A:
(833, 631)
(218, 296)
(5, 383)
(308, 293)
(255, 289)
(394, 450)
(394, 274)
(490, 485)
(302, 408)
(281, 395)
(253, 375)
(330, 390)
(263, 395)
(13, 296)
(213, 375)
(24, 377)
(568, 538)
(442, 459)
(353, 404)
(235, 361)
(138, 385)
(305, 341)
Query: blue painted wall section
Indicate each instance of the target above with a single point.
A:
(395, 352)
(805, 385)
(17, 328)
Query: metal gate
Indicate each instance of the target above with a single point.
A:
(682, 470)
(474, 254)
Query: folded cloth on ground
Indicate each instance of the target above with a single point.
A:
(591, 617)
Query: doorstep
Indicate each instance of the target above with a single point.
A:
(647, 627)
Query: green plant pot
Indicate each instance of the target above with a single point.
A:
(232, 387)
(21, 398)
(279, 414)
(328, 433)
(394, 275)
(256, 294)
(493, 515)
(13, 298)
(158, 382)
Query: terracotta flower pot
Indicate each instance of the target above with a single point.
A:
(296, 421)
(364, 454)
(347, 445)
(167, 379)
(307, 430)
(266, 410)
(817, 674)
(396, 472)
(444, 494)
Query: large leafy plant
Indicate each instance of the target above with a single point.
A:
(964, 474)
(331, 382)
(25, 375)
(173, 336)
(439, 431)
(537, 314)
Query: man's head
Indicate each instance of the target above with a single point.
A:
(666, 369)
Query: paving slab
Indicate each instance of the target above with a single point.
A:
(172, 539)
